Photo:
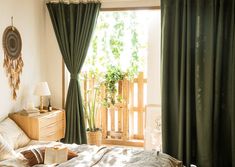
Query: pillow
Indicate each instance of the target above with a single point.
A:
(71, 154)
(14, 162)
(12, 134)
(6, 151)
(36, 155)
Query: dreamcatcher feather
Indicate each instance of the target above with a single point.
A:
(13, 62)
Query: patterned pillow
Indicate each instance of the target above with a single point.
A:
(12, 134)
(71, 154)
(36, 155)
(6, 151)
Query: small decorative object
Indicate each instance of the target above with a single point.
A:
(30, 110)
(42, 89)
(49, 105)
(30, 105)
(55, 155)
(13, 62)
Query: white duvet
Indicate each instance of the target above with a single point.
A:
(103, 156)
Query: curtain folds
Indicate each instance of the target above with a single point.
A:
(73, 25)
(198, 81)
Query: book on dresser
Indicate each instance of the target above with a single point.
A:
(30, 112)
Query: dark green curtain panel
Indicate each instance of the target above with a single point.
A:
(74, 24)
(198, 81)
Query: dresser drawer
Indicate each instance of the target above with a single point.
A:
(52, 136)
(50, 119)
(52, 128)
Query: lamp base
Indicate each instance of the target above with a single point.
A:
(41, 105)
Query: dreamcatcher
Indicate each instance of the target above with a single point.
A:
(13, 62)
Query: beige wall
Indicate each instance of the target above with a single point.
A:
(153, 109)
(29, 20)
(154, 48)
(53, 64)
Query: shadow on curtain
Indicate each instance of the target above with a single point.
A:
(74, 24)
(198, 81)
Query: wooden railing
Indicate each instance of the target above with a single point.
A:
(122, 123)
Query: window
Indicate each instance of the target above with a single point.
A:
(122, 44)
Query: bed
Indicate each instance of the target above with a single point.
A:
(14, 142)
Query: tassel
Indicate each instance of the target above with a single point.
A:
(14, 94)
(13, 70)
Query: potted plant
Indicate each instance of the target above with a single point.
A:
(91, 107)
(111, 78)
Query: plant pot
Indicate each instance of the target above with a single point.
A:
(94, 138)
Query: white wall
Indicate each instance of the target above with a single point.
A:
(53, 64)
(29, 20)
(153, 108)
(154, 51)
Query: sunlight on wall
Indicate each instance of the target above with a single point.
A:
(153, 107)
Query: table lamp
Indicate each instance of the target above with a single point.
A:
(42, 89)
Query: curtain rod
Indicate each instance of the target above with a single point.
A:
(72, 1)
(104, 9)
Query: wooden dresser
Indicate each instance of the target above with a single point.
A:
(49, 126)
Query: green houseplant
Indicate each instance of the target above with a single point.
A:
(91, 107)
(111, 78)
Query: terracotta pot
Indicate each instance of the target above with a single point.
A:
(94, 138)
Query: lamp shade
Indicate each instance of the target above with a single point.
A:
(42, 89)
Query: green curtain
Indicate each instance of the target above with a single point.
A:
(74, 24)
(198, 81)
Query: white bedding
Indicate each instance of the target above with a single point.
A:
(102, 156)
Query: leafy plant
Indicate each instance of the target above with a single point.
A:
(118, 38)
(90, 108)
(118, 35)
(113, 75)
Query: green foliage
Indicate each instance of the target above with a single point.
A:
(116, 38)
(113, 75)
(90, 108)
(135, 61)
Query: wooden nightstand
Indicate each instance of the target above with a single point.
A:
(49, 126)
